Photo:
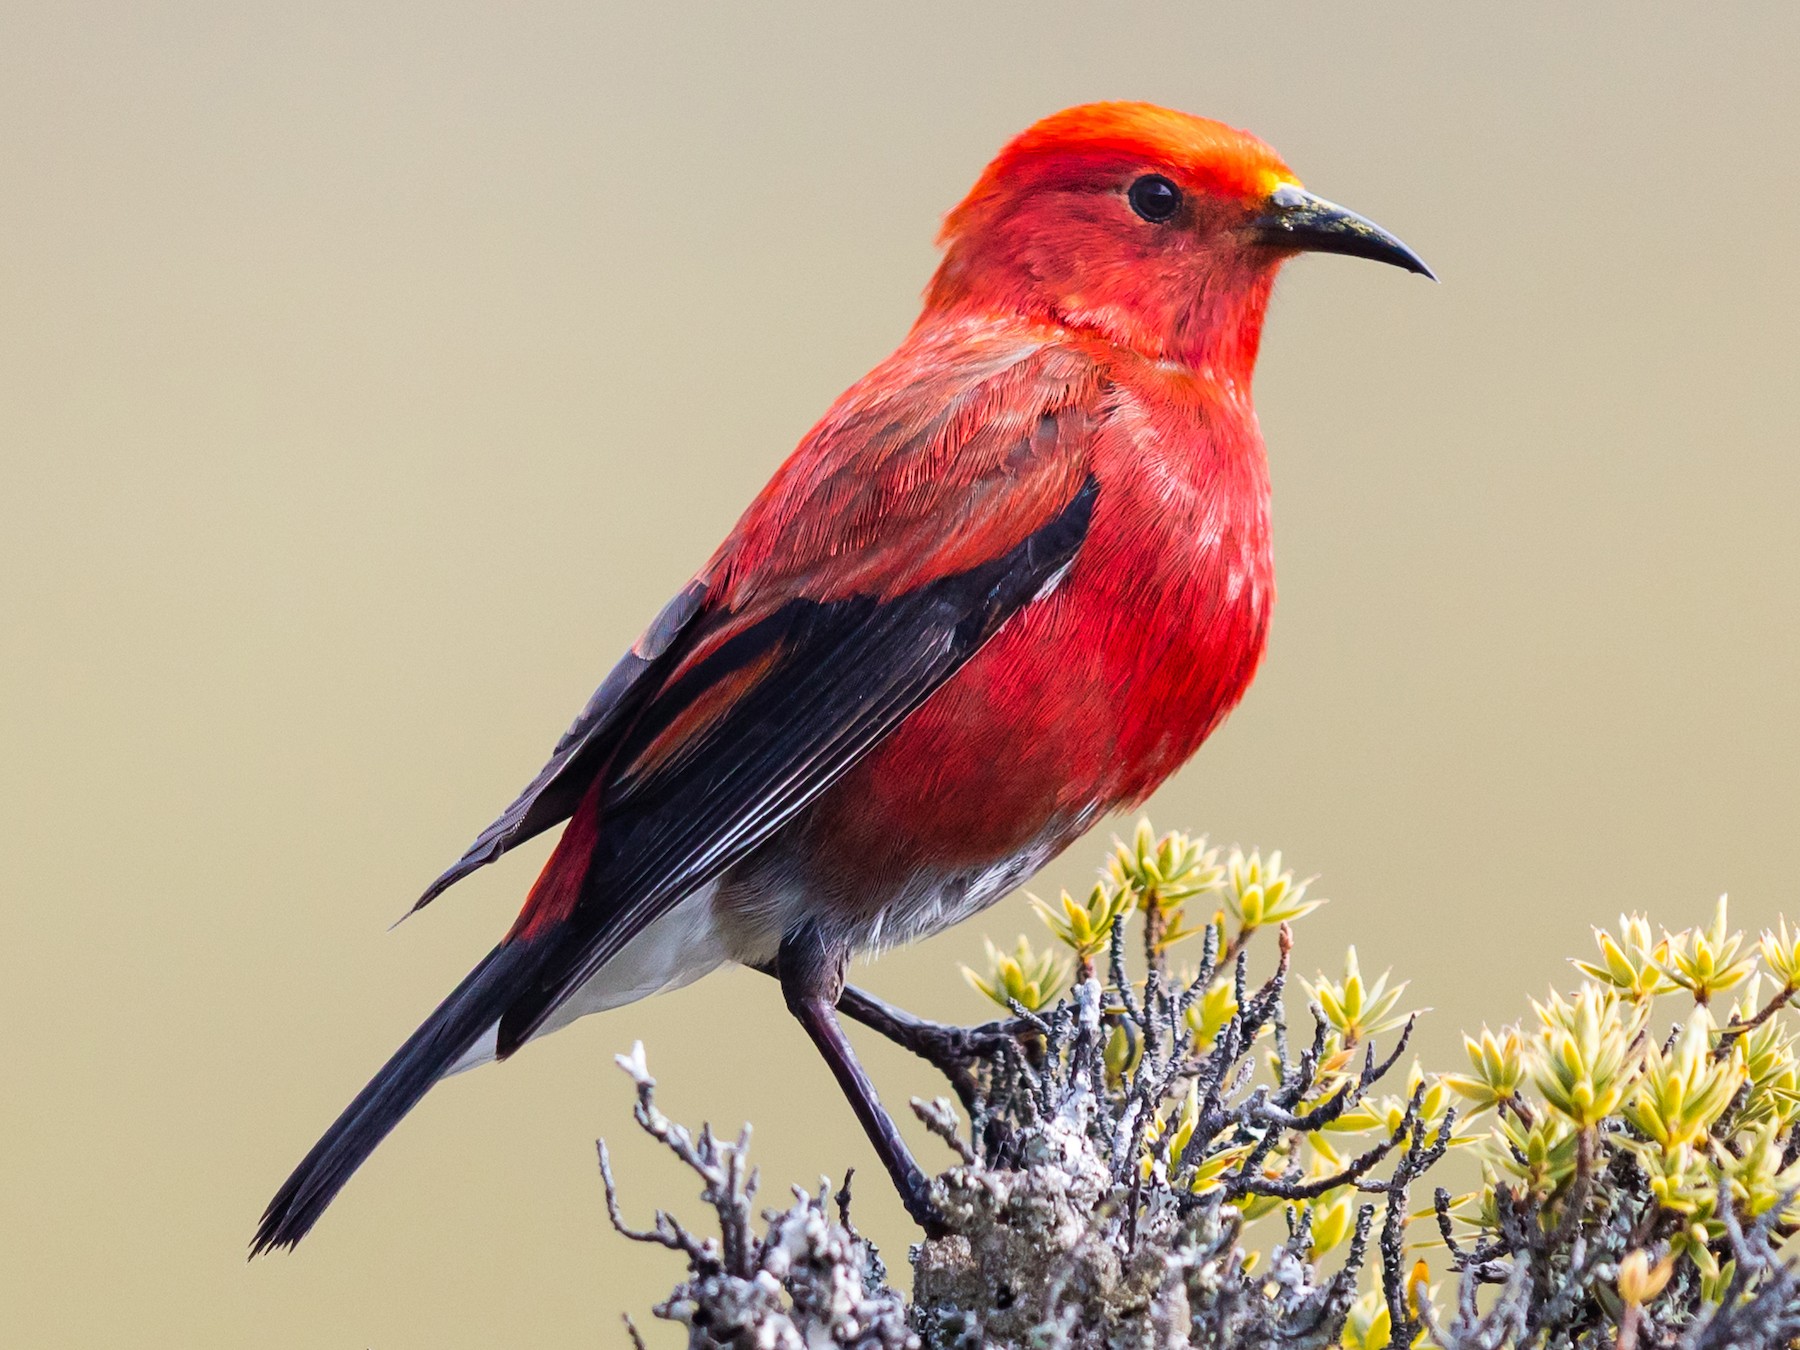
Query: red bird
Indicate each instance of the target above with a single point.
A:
(1011, 582)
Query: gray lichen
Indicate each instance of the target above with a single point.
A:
(1147, 1162)
(806, 1281)
(1080, 1216)
(1089, 1220)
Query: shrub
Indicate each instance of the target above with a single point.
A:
(1151, 1158)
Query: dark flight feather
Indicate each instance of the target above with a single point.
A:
(844, 673)
(832, 678)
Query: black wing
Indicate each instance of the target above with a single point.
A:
(821, 683)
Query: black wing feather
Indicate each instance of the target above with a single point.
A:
(845, 673)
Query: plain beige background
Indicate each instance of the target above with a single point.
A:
(370, 373)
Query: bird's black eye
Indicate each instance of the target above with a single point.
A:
(1154, 197)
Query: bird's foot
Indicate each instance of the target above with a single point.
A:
(915, 1194)
(951, 1049)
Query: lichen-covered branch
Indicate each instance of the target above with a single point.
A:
(806, 1280)
(1145, 1161)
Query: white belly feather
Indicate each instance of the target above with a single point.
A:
(674, 950)
(690, 941)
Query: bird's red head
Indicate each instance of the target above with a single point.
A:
(1157, 230)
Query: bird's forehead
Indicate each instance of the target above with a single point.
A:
(1210, 156)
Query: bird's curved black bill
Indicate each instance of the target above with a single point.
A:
(1299, 221)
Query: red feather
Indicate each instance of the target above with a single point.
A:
(558, 886)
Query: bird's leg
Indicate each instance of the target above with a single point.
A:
(812, 980)
(943, 1045)
(948, 1049)
(935, 1042)
(951, 1050)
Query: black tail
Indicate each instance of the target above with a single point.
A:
(446, 1035)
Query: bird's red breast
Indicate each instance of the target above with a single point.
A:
(1091, 697)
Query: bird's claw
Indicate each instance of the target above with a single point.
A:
(915, 1195)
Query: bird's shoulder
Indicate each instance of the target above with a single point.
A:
(951, 451)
